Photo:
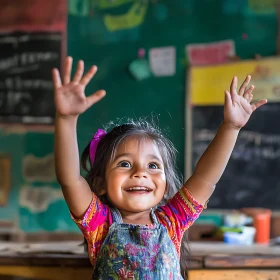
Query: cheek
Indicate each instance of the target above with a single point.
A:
(114, 183)
(161, 180)
(161, 176)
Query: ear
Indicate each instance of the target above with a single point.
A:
(100, 186)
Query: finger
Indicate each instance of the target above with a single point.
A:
(79, 72)
(56, 78)
(258, 104)
(228, 100)
(244, 85)
(248, 92)
(97, 96)
(233, 85)
(250, 98)
(88, 76)
(67, 70)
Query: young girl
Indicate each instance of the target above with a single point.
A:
(130, 170)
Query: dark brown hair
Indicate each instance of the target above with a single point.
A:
(108, 145)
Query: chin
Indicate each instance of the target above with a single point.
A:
(139, 209)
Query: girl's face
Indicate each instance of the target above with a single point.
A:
(135, 178)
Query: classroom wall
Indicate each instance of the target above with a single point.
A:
(110, 34)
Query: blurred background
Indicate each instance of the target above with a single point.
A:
(169, 61)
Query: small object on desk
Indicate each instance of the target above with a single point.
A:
(231, 229)
(261, 218)
(246, 237)
(237, 220)
(275, 241)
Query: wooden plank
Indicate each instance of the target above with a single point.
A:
(54, 260)
(234, 274)
(213, 248)
(49, 273)
(242, 261)
(195, 262)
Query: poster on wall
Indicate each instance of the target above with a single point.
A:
(32, 42)
(210, 82)
(210, 53)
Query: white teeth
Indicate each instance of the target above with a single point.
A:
(138, 189)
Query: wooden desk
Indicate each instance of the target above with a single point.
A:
(209, 261)
(224, 262)
(49, 260)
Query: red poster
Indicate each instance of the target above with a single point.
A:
(210, 53)
(33, 15)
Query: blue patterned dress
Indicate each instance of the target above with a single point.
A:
(137, 252)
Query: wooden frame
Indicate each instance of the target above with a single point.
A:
(5, 179)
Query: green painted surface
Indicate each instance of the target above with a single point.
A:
(165, 23)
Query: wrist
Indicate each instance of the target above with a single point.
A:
(68, 118)
(229, 125)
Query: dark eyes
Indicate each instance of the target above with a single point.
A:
(153, 165)
(124, 164)
(127, 164)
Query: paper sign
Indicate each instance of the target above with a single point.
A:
(210, 53)
(208, 83)
(163, 61)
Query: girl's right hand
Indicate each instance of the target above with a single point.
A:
(69, 96)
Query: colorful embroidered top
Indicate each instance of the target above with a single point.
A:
(176, 216)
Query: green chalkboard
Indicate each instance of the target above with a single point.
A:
(94, 36)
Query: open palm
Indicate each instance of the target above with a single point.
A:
(238, 107)
(70, 99)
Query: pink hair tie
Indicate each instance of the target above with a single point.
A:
(94, 143)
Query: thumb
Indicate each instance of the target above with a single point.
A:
(96, 97)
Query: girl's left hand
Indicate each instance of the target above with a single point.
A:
(237, 109)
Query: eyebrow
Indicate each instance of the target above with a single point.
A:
(151, 156)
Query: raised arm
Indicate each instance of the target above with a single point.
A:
(70, 101)
(210, 167)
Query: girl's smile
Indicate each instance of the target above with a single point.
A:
(135, 178)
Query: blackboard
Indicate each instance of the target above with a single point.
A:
(252, 177)
(165, 23)
(26, 91)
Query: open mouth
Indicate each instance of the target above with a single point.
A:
(138, 189)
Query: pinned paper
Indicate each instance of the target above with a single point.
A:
(210, 53)
(140, 69)
(163, 61)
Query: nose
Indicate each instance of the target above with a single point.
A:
(139, 172)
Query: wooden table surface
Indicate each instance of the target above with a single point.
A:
(63, 259)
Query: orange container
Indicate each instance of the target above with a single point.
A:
(261, 218)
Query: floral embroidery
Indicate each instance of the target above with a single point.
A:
(124, 274)
(137, 252)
